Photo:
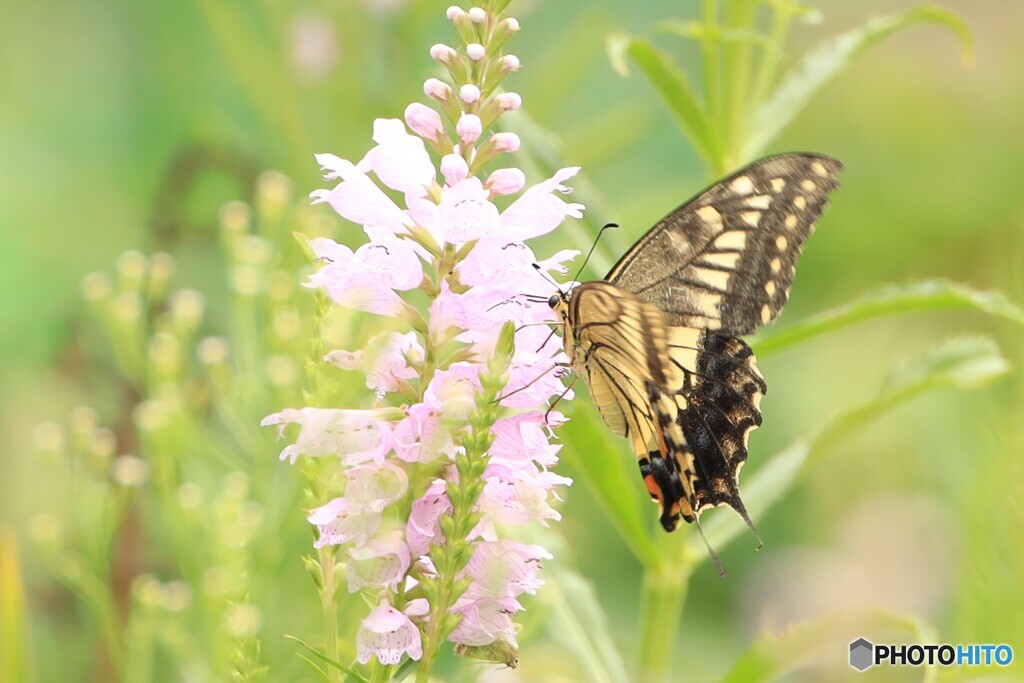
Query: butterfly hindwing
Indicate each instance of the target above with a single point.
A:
(725, 260)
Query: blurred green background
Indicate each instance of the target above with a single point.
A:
(127, 125)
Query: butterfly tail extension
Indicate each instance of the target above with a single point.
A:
(719, 407)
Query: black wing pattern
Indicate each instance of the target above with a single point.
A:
(725, 260)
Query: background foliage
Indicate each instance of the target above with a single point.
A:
(128, 125)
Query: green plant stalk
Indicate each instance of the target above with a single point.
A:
(711, 45)
(736, 64)
(456, 552)
(662, 595)
(329, 607)
(782, 19)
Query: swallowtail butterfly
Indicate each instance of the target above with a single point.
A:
(658, 339)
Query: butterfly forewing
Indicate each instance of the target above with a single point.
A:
(725, 259)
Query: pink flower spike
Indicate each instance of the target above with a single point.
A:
(454, 169)
(469, 93)
(506, 181)
(424, 121)
(436, 89)
(388, 634)
(381, 563)
(476, 51)
(442, 54)
(505, 142)
(509, 101)
(469, 128)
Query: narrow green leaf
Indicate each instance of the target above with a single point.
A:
(348, 671)
(927, 295)
(772, 656)
(578, 624)
(671, 84)
(612, 477)
(963, 363)
(822, 64)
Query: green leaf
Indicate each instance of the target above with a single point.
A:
(927, 295)
(348, 671)
(821, 65)
(671, 84)
(772, 656)
(577, 622)
(612, 477)
(963, 363)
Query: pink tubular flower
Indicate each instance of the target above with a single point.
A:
(485, 621)
(357, 436)
(342, 521)
(381, 563)
(389, 361)
(424, 526)
(388, 634)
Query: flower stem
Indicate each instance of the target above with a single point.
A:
(329, 604)
(663, 594)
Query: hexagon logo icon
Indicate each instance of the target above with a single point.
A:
(862, 654)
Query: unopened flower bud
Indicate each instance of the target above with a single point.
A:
(506, 181)
(509, 101)
(436, 89)
(511, 24)
(476, 51)
(469, 128)
(477, 15)
(454, 169)
(454, 13)
(469, 93)
(442, 54)
(506, 142)
(424, 121)
(510, 63)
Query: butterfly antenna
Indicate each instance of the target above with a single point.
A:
(536, 266)
(719, 567)
(593, 246)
